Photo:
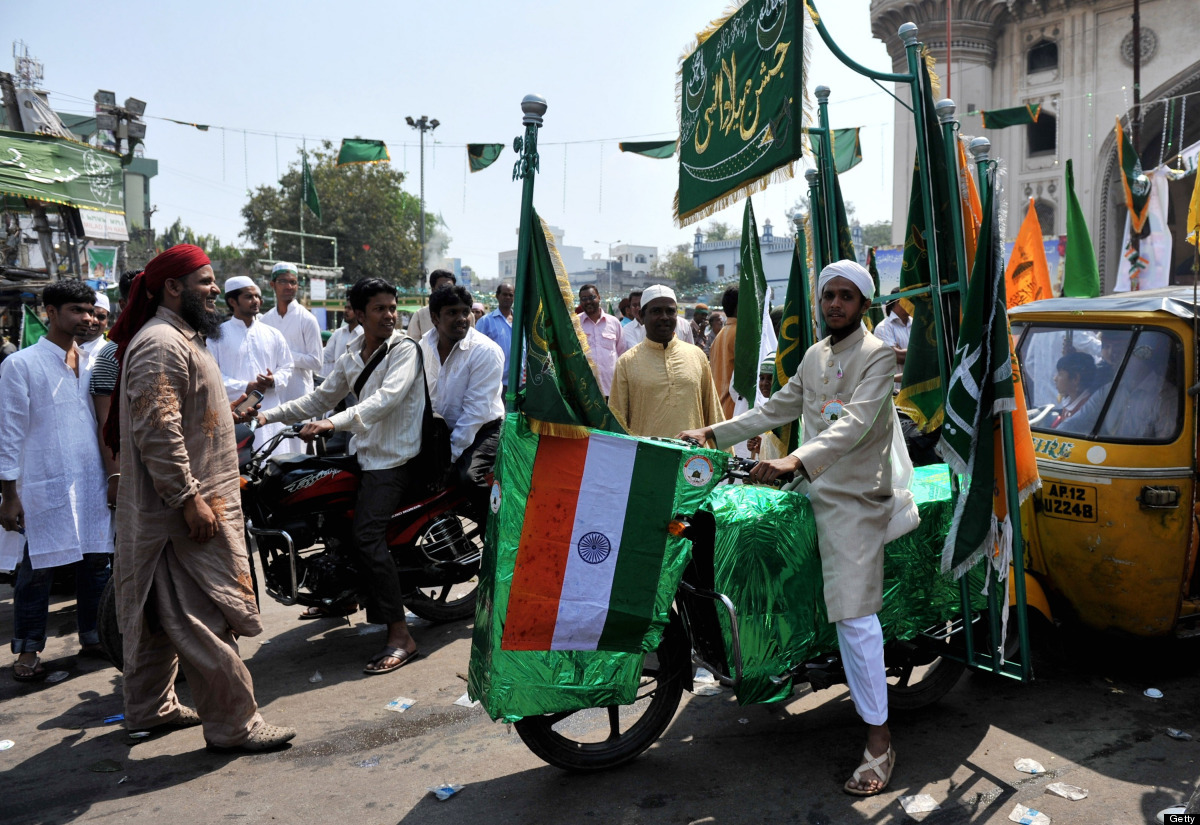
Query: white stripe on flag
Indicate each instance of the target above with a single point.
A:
(599, 512)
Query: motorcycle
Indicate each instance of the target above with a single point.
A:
(299, 518)
(920, 670)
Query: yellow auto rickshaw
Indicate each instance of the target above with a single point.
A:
(1111, 538)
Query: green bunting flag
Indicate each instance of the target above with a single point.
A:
(795, 334)
(562, 396)
(1135, 183)
(32, 328)
(201, 126)
(1081, 274)
(357, 150)
(308, 189)
(847, 148)
(921, 390)
(661, 149)
(876, 313)
(740, 95)
(981, 388)
(482, 155)
(1016, 116)
(752, 294)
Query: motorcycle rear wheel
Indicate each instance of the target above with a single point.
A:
(920, 680)
(451, 602)
(572, 741)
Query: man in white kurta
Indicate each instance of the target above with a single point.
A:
(843, 393)
(52, 478)
(303, 334)
(251, 355)
(341, 340)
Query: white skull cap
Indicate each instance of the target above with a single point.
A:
(657, 291)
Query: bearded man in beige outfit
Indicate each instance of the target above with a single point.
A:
(183, 581)
(843, 392)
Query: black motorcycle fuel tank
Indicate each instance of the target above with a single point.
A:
(314, 483)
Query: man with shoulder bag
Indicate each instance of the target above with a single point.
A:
(383, 370)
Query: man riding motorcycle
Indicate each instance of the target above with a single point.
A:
(384, 371)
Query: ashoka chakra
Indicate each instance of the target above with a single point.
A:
(594, 548)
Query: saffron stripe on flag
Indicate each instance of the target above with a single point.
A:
(644, 541)
(545, 543)
(595, 542)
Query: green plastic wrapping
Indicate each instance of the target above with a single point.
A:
(767, 563)
(511, 684)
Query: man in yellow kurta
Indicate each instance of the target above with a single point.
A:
(843, 391)
(720, 354)
(663, 385)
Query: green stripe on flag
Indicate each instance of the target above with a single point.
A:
(661, 149)
(32, 328)
(358, 150)
(482, 155)
(643, 543)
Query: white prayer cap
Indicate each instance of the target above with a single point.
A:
(655, 292)
(102, 302)
(852, 272)
(238, 282)
(282, 267)
(478, 306)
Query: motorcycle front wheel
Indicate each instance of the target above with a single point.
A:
(596, 739)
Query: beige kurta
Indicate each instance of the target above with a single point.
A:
(847, 459)
(720, 356)
(176, 441)
(662, 390)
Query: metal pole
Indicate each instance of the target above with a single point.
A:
(945, 111)
(804, 310)
(814, 218)
(534, 106)
(421, 267)
(304, 149)
(1135, 123)
(828, 173)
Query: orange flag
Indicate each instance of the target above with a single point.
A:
(972, 212)
(1028, 276)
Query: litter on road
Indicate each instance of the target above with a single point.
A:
(57, 676)
(1028, 816)
(112, 720)
(1153, 693)
(1072, 792)
(444, 792)
(5, 744)
(1029, 766)
(316, 677)
(400, 704)
(464, 701)
(373, 762)
(1176, 733)
(918, 804)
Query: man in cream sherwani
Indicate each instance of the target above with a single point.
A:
(843, 392)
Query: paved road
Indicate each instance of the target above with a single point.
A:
(1085, 719)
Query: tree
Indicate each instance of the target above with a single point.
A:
(877, 234)
(720, 231)
(364, 206)
(177, 233)
(678, 266)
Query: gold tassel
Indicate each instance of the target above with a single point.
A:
(557, 430)
(935, 82)
(777, 175)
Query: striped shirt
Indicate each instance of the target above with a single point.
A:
(105, 370)
(386, 423)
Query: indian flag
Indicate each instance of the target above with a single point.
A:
(592, 544)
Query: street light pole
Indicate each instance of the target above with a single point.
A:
(422, 125)
(609, 264)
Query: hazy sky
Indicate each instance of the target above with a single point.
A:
(274, 73)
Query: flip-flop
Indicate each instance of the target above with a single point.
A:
(35, 674)
(319, 612)
(390, 653)
(873, 763)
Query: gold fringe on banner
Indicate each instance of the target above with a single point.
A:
(935, 82)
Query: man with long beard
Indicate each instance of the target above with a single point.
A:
(184, 591)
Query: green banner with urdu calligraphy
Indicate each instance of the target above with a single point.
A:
(741, 92)
(56, 170)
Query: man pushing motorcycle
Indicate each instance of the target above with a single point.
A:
(384, 371)
(843, 393)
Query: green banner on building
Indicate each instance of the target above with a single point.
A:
(741, 92)
(56, 170)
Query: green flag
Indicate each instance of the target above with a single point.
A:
(981, 388)
(1081, 275)
(32, 328)
(482, 155)
(740, 94)
(752, 294)
(561, 394)
(661, 149)
(795, 334)
(1016, 116)
(357, 150)
(308, 190)
(847, 148)
(876, 313)
(1135, 183)
(845, 240)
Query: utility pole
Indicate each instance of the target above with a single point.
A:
(1135, 125)
(41, 223)
(422, 125)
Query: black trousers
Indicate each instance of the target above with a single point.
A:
(380, 494)
(471, 470)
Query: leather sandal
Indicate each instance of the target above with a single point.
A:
(390, 653)
(875, 764)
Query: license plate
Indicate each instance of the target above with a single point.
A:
(1069, 501)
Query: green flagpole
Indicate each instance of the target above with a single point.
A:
(534, 106)
(815, 221)
(826, 167)
(802, 296)
(945, 109)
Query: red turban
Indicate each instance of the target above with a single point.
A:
(144, 296)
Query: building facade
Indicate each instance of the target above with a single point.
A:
(1074, 58)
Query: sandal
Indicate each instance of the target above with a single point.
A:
(872, 763)
(321, 612)
(36, 672)
(390, 653)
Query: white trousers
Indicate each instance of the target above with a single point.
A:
(861, 644)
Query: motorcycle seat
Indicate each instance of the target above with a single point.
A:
(300, 461)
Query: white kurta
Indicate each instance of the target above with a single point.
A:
(245, 352)
(48, 446)
(336, 346)
(847, 459)
(303, 334)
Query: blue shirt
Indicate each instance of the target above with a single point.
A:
(496, 327)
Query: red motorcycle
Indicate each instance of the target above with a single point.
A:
(299, 513)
